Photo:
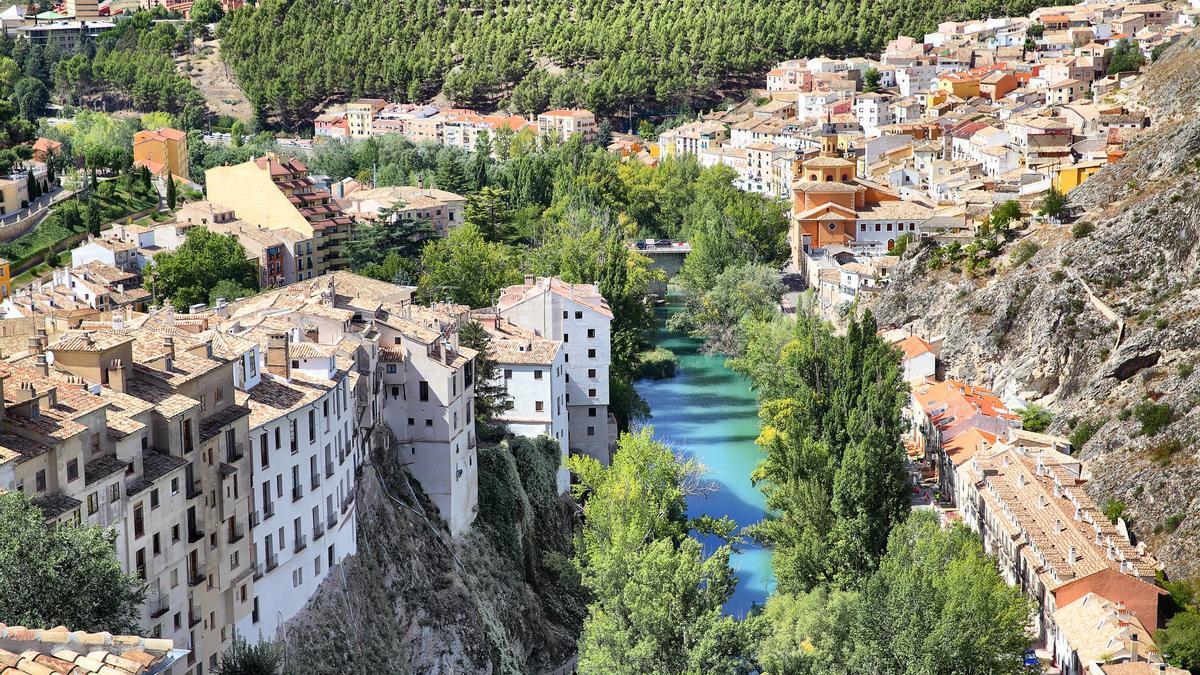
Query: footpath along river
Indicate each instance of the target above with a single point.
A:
(710, 413)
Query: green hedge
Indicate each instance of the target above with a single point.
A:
(657, 364)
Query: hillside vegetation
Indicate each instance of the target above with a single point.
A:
(290, 55)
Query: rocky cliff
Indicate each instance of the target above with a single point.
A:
(1102, 324)
(499, 600)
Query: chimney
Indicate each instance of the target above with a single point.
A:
(1058, 526)
(43, 341)
(529, 279)
(1133, 648)
(278, 360)
(34, 347)
(118, 321)
(116, 375)
(221, 308)
(42, 367)
(169, 344)
(1072, 555)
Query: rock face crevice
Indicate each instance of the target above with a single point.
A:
(1094, 325)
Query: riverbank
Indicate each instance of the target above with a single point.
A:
(710, 413)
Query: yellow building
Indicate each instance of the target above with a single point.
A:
(163, 151)
(14, 193)
(5, 278)
(1068, 178)
(961, 84)
(276, 193)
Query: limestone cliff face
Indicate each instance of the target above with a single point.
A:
(410, 603)
(1094, 325)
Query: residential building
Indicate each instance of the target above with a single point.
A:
(941, 410)
(566, 123)
(275, 193)
(65, 35)
(163, 151)
(441, 209)
(533, 372)
(918, 359)
(5, 278)
(692, 138)
(111, 252)
(360, 114)
(45, 149)
(1065, 91)
(579, 317)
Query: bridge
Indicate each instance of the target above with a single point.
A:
(665, 255)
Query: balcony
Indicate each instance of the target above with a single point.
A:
(194, 490)
(195, 534)
(268, 511)
(347, 501)
(196, 578)
(236, 533)
(318, 531)
(301, 543)
(159, 604)
(297, 492)
(258, 571)
(193, 615)
(272, 561)
(331, 520)
(329, 469)
(253, 519)
(235, 452)
(315, 482)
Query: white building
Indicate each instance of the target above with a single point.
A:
(579, 317)
(117, 254)
(873, 110)
(916, 79)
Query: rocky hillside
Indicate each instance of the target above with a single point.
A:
(501, 600)
(1102, 324)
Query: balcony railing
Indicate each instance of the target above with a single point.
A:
(159, 604)
(301, 543)
(318, 531)
(268, 511)
(235, 452)
(254, 519)
(347, 501)
(331, 519)
(193, 615)
(195, 534)
(258, 571)
(329, 469)
(297, 492)
(194, 490)
(315, 481)
(196, 578)
(236, 532)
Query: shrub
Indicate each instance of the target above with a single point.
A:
(1172, 523)
(1154, 417)
(1083, 432)
(1023, 252)
(657, 364)
(1162, 452)
(1185, 370)
(1161, 324)
(1082, 229)
(1057, 276)
(1113, 510)
(1035, 418)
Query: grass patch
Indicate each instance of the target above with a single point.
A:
(657, 364)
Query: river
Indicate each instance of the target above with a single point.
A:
(710, 413)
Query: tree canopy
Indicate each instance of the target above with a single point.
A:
(68, 575)
(204, 260)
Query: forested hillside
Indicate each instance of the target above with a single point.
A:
(528, 55)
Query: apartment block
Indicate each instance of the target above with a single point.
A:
(441, 209)
(579, 317)
(274, 193)
(163, 151)
(567, 123)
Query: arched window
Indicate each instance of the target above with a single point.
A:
(813, 177)
(828, 179)
(845, 178)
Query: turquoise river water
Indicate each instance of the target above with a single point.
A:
(710, 413)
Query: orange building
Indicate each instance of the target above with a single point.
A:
(827, 198)
(163, 152)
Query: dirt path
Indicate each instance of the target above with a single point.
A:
(215, 80)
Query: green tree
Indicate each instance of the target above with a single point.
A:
(488, 209)
(1053, 204)
(871, 80)
(171, 194)
(745, 292)
(228, 289)
(657, 598)
(31, 97)
(206, 11)
(1125, 57)
(92, 217)
(491, 396)
(1035, 418)
(451, 175)
(466, 268)
(373, 243)
(66, 575)
(187, 274)
(604, 136)
(241, 658)
(1180, 640)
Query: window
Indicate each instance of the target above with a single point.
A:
(592, 393)
(264, 454)
(174, 486)
(93, 503)
(139, 521)
(312, 426)
(566, 337)
(40, 480)
(277, 439)
(154, 499)
(591, 353)
(316, 566)
(395, 391)
(157, 544)
(591, 412)
(592, 373)
(578, 315)
(538, 406)
(537, 374)
(174, 534)
(391, 368)
(565, 314)
(411, 422)
(423, 390)
(428, 422)
(508, 373)
(72, 470)
(591, 431)
(591, 332)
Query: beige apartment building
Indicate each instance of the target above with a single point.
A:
(359, 115)
(441, 209)
(276, 193)
(567, 123)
